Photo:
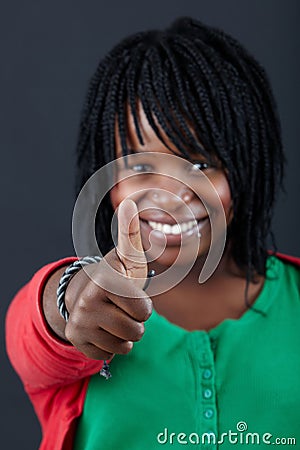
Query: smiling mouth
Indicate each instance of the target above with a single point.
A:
(176, 229)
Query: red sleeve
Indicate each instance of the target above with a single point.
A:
(41, 360)
(55, 374)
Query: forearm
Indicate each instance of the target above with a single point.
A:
(41, 358)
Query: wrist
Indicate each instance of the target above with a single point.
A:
(65, 279)
(55, 322)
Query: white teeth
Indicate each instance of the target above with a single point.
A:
(172, 229)
(176, 229)
(184, 227)
(166, 228)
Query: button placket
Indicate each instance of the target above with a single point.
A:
(202, 355)
(208, 415)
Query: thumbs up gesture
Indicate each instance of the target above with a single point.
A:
(108, 306)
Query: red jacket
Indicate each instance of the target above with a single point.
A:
(55, 375)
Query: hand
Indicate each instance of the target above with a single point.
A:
(108, 319)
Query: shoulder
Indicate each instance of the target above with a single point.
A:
(294, 260)
(288, 269)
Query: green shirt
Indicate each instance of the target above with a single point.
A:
(237, 383)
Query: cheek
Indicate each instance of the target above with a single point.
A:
(223, 190)
(121, 191)
(116, 196)
(222, 187)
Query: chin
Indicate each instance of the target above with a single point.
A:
(173, 256)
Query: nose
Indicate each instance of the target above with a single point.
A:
(170, 194)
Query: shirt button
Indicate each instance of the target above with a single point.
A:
(207, 374)
(207, 393)
(208, 413)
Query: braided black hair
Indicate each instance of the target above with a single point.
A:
(197, 75)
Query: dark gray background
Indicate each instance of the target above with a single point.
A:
(48, 52)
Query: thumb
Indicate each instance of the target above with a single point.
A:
(130, 249)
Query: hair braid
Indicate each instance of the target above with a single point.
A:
(203, 90)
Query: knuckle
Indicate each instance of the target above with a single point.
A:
(75, 322)
(148, 308)
(70, 335)
(129, 233)
(133, 233)
(136, 258)
(82, 305)
(138, 332)
(133, 268)
(124, 348)
(145, 309)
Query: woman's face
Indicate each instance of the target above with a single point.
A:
(176, 193)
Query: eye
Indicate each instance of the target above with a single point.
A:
(141, 168)
(199, 166)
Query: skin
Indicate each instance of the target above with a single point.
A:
(222, 295)
(102, 323)
(160, 192)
